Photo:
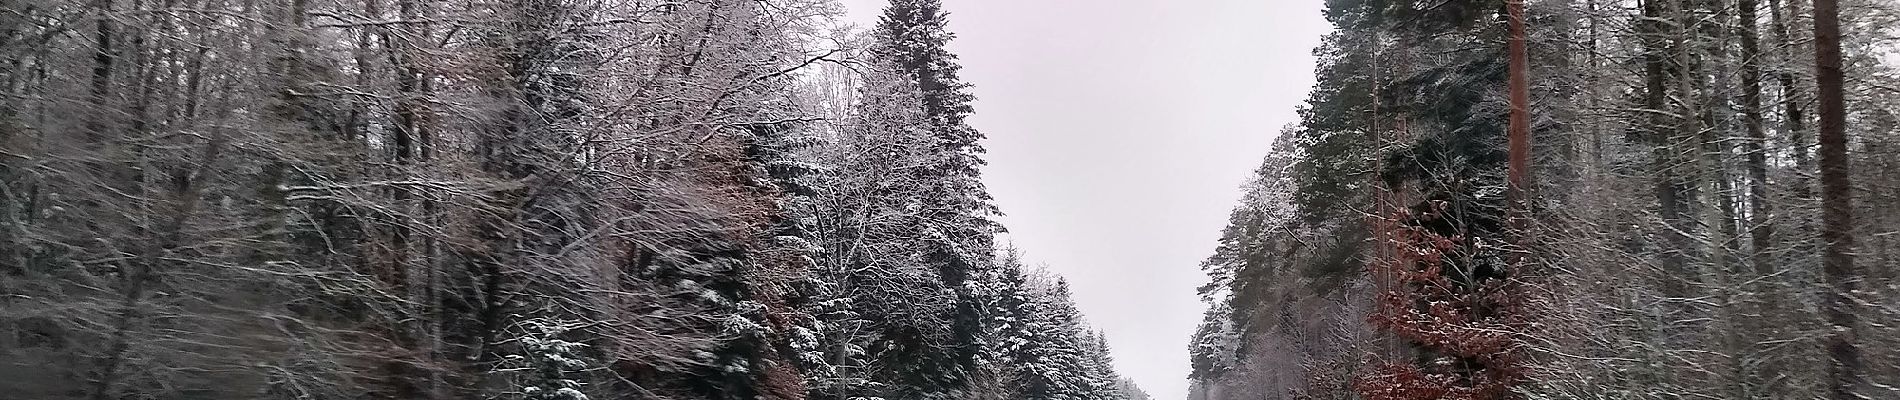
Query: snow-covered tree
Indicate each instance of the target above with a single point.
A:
(550, 365)
(957, 227)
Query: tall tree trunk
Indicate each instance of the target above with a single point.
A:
(1837, 225)
(1384, 221)
(103, 59)
(1761, 232)
(1794, 119)
(1760, 206)
(1519, 137)
(405, 46)
(1670, 191)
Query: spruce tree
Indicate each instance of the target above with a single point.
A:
(1845, 367)
(912, 38)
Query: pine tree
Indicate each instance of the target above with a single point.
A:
(1053, 363)
(1215, 345)
(911, 37)
(550, 363)
(1130, 391)
(1837, 218)
(1099, 367)
(1003, 298)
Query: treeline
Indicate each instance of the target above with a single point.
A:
(1711, 215)
(535, 199)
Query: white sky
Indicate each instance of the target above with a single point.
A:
(1119, 134)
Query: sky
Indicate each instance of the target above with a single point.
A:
(1120, 132)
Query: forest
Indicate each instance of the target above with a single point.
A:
(1573, 199)
(508, 199)
(756, 199)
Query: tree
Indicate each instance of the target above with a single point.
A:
(1130, 391)
(1690, 293)
(549, 362)
(1519, 140)
(919, 111)
(1837, 218)
(1053, 361)
(358, 200)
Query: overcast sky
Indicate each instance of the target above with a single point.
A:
(1119, 134)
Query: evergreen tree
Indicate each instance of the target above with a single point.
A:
(1837, 214)
(1099, 367)
(1053, 363)
(1131, 392)
(1657, 191)
(955, 209)
(549, 363)
(1004, 300)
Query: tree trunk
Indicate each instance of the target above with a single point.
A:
(1794, 119)
(1519, 137)
(1670, 191)
(1761, 233)
(1760, 208)
(103, 60)
(1837, 225)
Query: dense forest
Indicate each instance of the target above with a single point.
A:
(1704, 208)
(508, 199)
(753, 199)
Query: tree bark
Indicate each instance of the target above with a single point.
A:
(1519, 136)
(1837, 259)
(1760, 206)
(1761, 232)
(1671, 189)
